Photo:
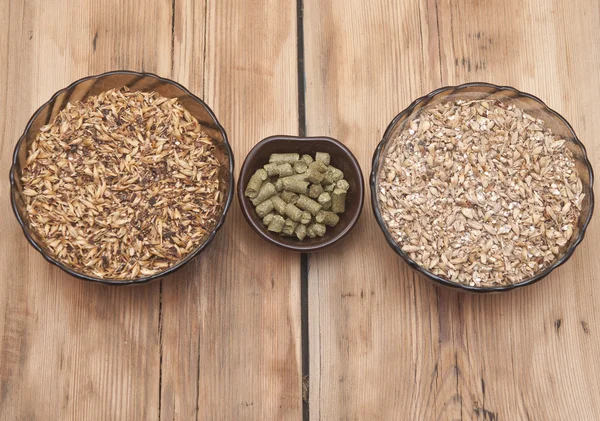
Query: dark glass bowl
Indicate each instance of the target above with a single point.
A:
(533, 106)
(94, 85)
(341, 158)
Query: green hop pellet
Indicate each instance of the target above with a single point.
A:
(329, 188)
(318, 229)
(307, 158)
(342, 185)
(276, 224)
(289, 227)
(294, 185)
(285, 170)
(305, 218)
(255, 183)
(307, 204)
(310, 232)
(324, 200)
(333, 175)
(318, 166)
(314, 176)
(328, 218)
(336, 173)
(328, 179)
(300, 167)
(289, 197)
(338, 201)
(264, 208)
(268, 218)
(300, 232)
(266, 192)
(279, 185)
(315, 190)
(272, 169)
(293, 212)
(278, 204)
(283, 158)
(323, 157)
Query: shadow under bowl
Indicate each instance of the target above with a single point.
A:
(341, 158)
(533, 106)
(93, 85)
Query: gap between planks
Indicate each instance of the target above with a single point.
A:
(304, 258)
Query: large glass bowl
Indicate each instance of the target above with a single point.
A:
(533, 106)
(94, 85)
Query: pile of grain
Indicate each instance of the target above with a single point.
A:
(122, 185)
(480, 193)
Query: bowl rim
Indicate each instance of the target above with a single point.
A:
(436, 278)
(145, 279)
(301, 248)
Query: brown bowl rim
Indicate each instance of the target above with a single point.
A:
(146, 279)
(438, 279)
(259, 228)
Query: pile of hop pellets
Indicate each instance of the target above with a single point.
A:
(298, 196)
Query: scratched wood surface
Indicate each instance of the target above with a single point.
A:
(231, 319)
(220, 340)
(71, 349)
(384, 343)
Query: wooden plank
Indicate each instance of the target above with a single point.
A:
(384, 343)
(372, 327)
(538, 358)
(69, 349)
(231, 319)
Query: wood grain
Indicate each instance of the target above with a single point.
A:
(71, 350)
(384, 343)
(220, 340)
(231, 319)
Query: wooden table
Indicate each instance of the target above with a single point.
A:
(231, 336)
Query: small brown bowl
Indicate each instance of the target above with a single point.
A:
(341, 158)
